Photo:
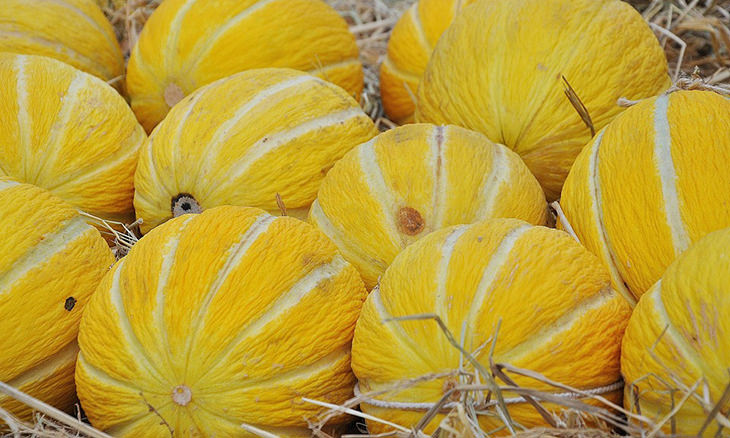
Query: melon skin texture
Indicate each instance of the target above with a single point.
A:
(52, 261)
(409, 48)
(415, 179)
(70, 133)
(498, 70)
(75, 32)
(679, 332)
(650, 184)
(187, 44)
(242, 140)
(218, 319)
(559, 317)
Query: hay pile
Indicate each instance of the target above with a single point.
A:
(696, 37)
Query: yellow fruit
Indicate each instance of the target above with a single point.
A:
(679, 334)
(242, 140)
(410, 181)
(498, 68)
(559, 317)
(73, 31)
(68, 132)
(651, 183)
(409, 49)
(188, 43)
(51, 263)
(218, 319)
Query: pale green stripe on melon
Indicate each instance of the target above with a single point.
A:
(441, 301)
(135, 347)
(497, 261)
(495, 182)
(438, 142)
(608, 255)
(50, 150)
(375, 181)
(236, 253)
(668, 175)
(24, 121)
(64, 237)
(46, 368)
(284, 303)
(562, 325)
(275, 141)
(420, 32)
(229, 127)
(203, 48)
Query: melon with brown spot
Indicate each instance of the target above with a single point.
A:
(186, 44)
(650, 184)
(243, 140)
(70, 133)
(218, 319)
(415, 179)
(550, 297)
(72, 31)
(52, 261)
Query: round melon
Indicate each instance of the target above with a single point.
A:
(219, 319)
(243, 140)
(409, 49)
(415, 179)
(70, 133)
(52, 261)
(559, 317)
(498, 70)
(651, 183)
(73, 31)
(187, 44)
(678, 336)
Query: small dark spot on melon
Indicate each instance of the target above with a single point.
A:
(410, 221)
(184, 203)
(70, 303)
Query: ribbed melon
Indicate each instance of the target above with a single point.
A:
(70, 133)
(678, 336)
(52, 261)
(650, 184)
(186, 44)
(553, 300)
(218, 319)
(243, 140)
(72, 31)
(415, 179)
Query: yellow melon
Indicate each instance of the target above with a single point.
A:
(498, 70)
(678, 336)
(217, 319)
(73, 31)
(70, 133)
(409, 49)
(651, 183)
(52, 261)
(410, 181)
(242, 140)
(559, 317)
(187, 43)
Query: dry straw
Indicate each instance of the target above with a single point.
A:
(696, 39)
